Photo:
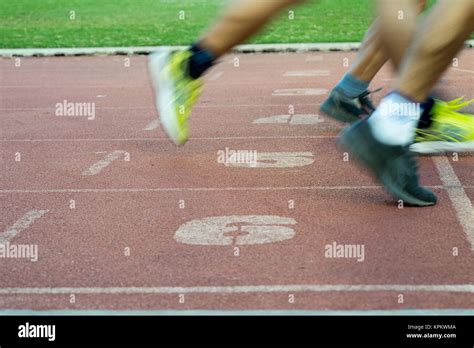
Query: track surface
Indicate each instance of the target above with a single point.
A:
(117, 234)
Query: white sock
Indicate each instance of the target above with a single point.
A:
(395, 120)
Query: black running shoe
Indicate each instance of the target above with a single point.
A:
(394, 166)
(346, 109)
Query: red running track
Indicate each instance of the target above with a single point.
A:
(122, 219)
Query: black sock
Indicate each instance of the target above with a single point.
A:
(201, 60)
(425, 119)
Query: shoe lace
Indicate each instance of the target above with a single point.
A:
(366, 102)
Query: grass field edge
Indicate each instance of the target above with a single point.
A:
(254, 48)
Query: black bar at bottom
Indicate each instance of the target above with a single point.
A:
(191, 330)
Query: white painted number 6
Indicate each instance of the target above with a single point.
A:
(236, 230)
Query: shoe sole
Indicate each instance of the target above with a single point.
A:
(332, 110)
(406, 198)
(360, 151)
(431, 147)
(164, 95)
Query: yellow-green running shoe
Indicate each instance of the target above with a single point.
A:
(450, 131)
(175, 91)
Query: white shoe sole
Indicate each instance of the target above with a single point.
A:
(431, 147)
(164, 94)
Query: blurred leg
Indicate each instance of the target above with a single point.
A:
(241, 21)
(372, 54)
(438, 39)
(176, 75)
(349, 100)
(381, 142)
(441, 36)
(398, 25)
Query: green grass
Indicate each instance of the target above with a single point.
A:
(46, 23)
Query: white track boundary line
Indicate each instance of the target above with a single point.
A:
(459, 199)
(458, 288)
(290, 312)
(194, 189)
(22, 224)
(253, 48)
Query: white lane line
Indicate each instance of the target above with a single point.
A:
(166, 139)
(214, 105)
(204, 189)
(75, 86)
(143, 312)
(153, 125)
(460, 288)
(461, 202)
(299, 92)
(22, 224)
(299, 119)
(216, 76)
(464, 70)
(97, 167)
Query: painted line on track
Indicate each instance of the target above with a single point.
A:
(216, 76)
(194, 189)
(88, 312)
(153, 125)
(97, 167)
(458, 288)
(459, 199)
(203, 106)
(22, 224)
(464, 70)
(166, 139)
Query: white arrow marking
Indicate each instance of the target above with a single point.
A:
(97, 167)
(21, 225)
